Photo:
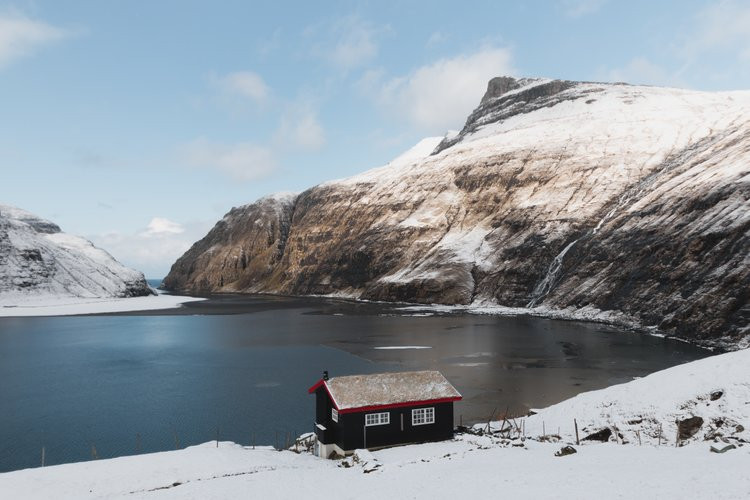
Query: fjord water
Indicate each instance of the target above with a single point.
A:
(239, 367)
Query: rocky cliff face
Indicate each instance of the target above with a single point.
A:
(627, 201)
(38, 261)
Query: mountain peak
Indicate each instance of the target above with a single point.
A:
(507, 96)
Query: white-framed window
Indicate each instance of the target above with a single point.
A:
(422, 416)
(377, 419)
(335, 415)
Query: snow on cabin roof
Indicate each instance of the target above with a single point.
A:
(383, 389)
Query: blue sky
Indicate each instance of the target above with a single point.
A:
(138, 124)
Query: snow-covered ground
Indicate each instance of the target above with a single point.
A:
(66, 306)
(469, 467)
(474, 466)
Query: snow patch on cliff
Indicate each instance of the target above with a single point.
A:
(396, 167)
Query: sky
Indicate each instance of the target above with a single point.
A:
(139, 124)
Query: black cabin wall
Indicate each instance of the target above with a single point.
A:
(352, 430)
(323, 417)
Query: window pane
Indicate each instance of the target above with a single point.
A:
(377, 418)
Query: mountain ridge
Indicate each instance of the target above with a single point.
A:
(555, 194)
(40, 261)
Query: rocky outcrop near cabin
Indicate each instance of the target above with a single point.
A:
(39, 261)
(631, 203)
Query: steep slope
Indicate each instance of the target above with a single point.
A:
(555, 194)
(39, 261)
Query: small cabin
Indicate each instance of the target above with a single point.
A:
(383, 409)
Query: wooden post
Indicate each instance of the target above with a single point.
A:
(638, 433)
(659, 433)
(94, 456)
(217, 436)
(176, 440)
(43, 450)
(276, 441)
(544, 431)
(575, 424)
(490, 419)
(505, 418)
(253, 440)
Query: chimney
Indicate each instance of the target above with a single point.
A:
(325, 374)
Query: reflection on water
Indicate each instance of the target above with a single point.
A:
(241, 366)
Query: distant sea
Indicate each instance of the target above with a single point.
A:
(154, 282)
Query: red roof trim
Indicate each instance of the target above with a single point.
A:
(317, 385)
(398, 405)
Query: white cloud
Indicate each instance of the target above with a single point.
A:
(579, 8)
(301, 129)
(21, 36)
(153, 249)
(712, 50)
(243, 161)
(723, 26)
(439, 96)
(347, 42)
(246, 84)
(160, 225)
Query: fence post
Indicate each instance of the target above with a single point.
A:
(575, 423)
(659, 433)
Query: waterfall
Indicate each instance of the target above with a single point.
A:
(543, 287)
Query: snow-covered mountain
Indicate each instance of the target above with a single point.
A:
(628, 201)
(38, 262)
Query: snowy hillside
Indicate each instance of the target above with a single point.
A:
(40, 264)
(626, 201)
(477, 466)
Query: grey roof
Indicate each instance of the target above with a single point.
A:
(356, 391)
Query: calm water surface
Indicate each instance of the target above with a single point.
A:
(240, 367)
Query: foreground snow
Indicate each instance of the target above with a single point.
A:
(67, 306)
(473, 466)
(470, 466)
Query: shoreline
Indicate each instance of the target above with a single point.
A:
(74, 306)
(586, 314)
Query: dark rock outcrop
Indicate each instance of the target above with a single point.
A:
(688, 427)
(602, 435)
